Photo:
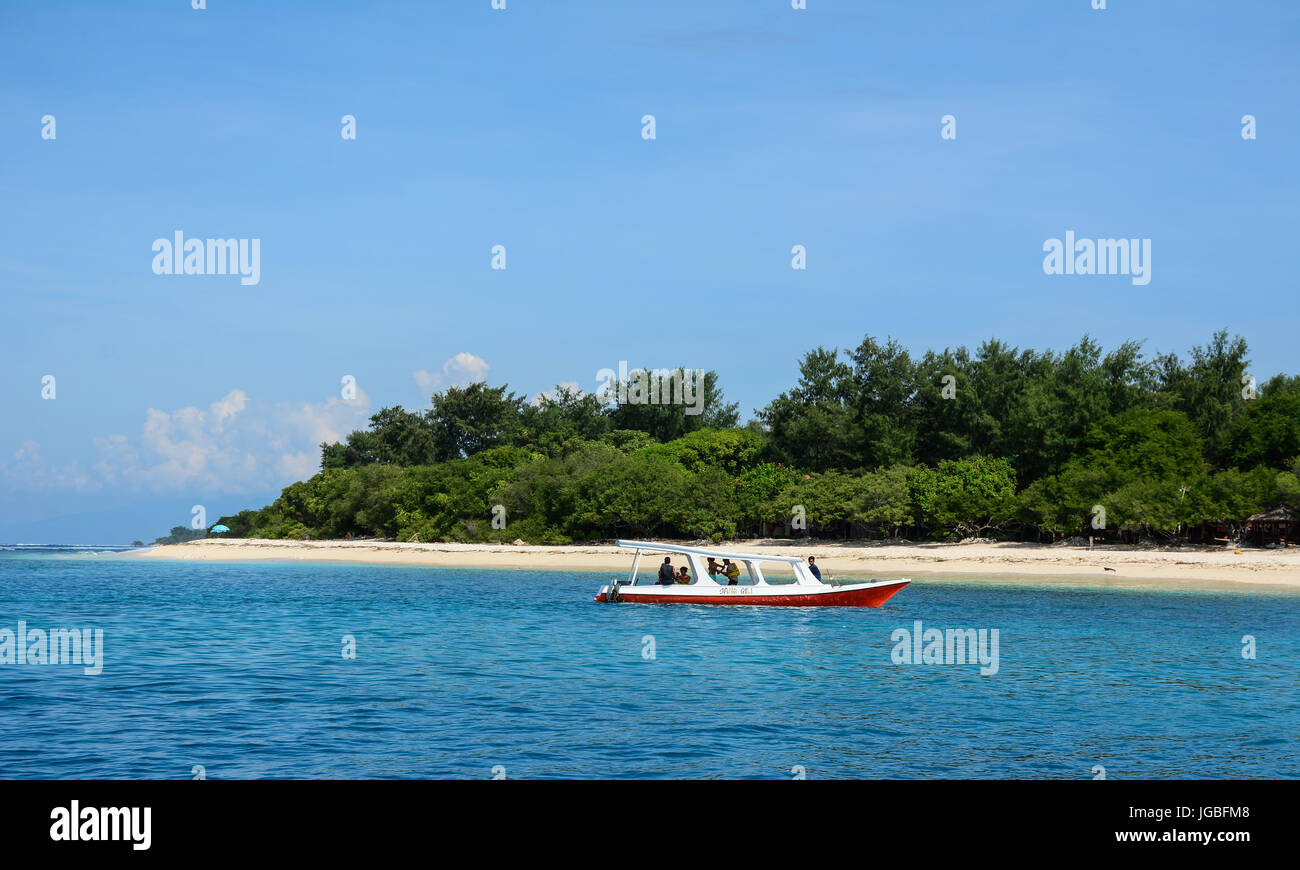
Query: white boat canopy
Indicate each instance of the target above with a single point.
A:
(697, 551)
(751, 563)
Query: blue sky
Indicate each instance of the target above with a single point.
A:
(522, 128)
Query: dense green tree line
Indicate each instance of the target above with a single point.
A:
(869, 443)
(178, 535)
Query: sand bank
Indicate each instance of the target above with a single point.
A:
(1188, 567)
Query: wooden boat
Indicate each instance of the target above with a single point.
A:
(751, 587)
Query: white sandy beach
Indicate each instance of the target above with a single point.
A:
(1188, 567)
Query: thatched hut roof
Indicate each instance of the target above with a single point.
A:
(1276, 515)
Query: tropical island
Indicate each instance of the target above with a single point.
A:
(870, 445)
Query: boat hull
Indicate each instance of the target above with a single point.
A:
(860, 595)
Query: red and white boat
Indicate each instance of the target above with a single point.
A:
(790, 586)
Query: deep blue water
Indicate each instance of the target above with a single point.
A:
(238, 668)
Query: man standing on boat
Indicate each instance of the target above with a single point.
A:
(667, 576)
(812, 567)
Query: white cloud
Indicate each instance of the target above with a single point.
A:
(237, 444)
(28, 466)
(460, 371)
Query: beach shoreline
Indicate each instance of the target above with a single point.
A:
(1187, 567)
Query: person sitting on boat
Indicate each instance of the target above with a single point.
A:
(713, 567)
(812, 567)
(667, 576)
(684, 576)
(732, 572)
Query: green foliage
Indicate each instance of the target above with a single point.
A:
(697, 404)
(809, 425)
(754, 490)
(870, 443)
(181, 534)
(397, 437)
(1030, 408)
(465, 421)
(627, 440)
(1208, 390)
(562, 419)
(1266, 433)
(966, 496)
(1146, 468)
(731, 450)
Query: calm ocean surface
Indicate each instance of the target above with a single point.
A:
(237, 668)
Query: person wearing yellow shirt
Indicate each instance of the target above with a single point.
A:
(731, 571)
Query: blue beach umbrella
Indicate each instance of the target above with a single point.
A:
(217, 529)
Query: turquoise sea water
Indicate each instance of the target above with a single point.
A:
(237, 668)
